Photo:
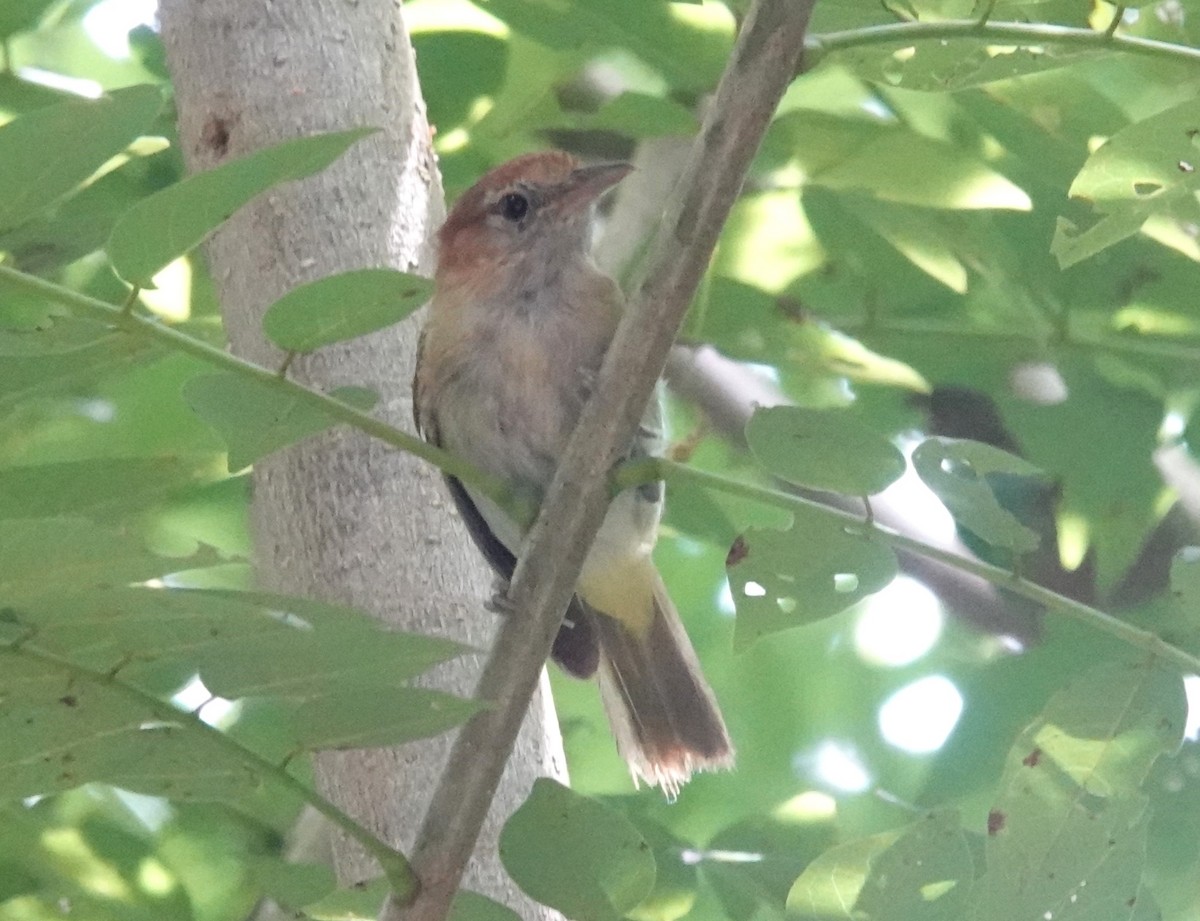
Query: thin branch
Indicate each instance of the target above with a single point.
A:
(761, 66)
(397, 870)
(1001, 33)
(129, 322)
(648, 470)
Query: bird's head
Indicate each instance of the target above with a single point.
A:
(523, 215)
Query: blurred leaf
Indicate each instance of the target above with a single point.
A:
(100, 488)
(343, 306)
(293, 884)
(824, 449)
(920, 873)
(889, 161)
(937, 65)
(783, 579)
(471, 906)
(397, 715)
(169, 223)
(359, 902)
(17, 17)
(576, 854)
(637, 115)
(256, 419)
(754, 863)
(1066, 834)
(957, 471)
(49, 152)
(689, 49)
(1145, 170)
(44, 556)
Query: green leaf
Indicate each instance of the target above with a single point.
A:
(824, 449)
(1067, 832)
(576, 854)
(888, 161)
(939, 66)
(471, 906)
(84, 677)
(101, 488)
(353, 720)
(171, 222)
(921, 873)
(357, 903)
(1148, 169)
(50, 152)
(957, 471)
(255, 418)
(343, 307)
(240, 643)
(17, 17)
(45, 556)
(784, 579)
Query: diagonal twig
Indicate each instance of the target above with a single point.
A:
(763, 61)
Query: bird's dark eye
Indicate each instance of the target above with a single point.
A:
(514, 206)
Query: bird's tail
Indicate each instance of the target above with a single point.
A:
(663, 713)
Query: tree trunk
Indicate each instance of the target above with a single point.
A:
(341, 517)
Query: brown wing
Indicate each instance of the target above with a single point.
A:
(576, 648)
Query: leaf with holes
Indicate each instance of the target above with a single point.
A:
(957, 470)
(1067, 830)
(343, 307)
(50, 152)
(824, 449)
(576, 854)
(169, 223)
(783, 579)
(87, 677)
(1150, 169)
(256, 419)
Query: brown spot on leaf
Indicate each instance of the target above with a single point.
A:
(738, 551)
(996, 821)
(69, 700)
(1032, 759)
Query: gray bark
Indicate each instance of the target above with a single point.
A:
(340, 517)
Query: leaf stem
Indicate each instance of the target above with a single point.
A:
(648, 470)
(395, 866)
(1012, 33)
(129, 322)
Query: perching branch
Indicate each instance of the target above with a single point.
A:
(762, 64)
(650, 469)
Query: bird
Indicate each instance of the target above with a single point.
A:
(517, 326)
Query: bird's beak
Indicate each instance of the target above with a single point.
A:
(587, 183)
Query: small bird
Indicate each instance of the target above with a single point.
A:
(517, 327)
